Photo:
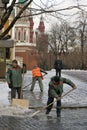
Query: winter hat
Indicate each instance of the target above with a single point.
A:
(35, 66)
(15, 61)
(56, 79)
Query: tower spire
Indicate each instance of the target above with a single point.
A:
(31, 27)
(41, 25)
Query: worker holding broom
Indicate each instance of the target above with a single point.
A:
(14, 78)
(37, 75)
(55, 91)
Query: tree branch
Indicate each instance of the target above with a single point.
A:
(15, 19)
(41, 11)
(7, 14)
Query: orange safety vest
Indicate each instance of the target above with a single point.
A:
(36, 72)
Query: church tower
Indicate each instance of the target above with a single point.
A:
(31, 28)
(41, 27)
(41, 37)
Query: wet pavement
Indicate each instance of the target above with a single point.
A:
(77, 98)
(75, 119)
(74, 106)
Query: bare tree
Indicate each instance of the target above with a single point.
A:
(61, 38)
(54, 41)
(82, 33)
(68, 36)
(7, 14)
(42, 47)
(42, 43)
(45, 8)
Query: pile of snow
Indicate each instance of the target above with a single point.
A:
(14, 111)
(4, 93)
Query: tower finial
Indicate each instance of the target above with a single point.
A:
(41, 24)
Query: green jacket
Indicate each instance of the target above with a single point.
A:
(58, 90)
(14, 76)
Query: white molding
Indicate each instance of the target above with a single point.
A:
(25, 44)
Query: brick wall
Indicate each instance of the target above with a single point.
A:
(29, 58)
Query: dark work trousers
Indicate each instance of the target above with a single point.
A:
(58, 105)
(39, 81)
(14, 90)
(58, 72)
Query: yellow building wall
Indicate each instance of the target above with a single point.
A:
(12, 50)
(6, 26)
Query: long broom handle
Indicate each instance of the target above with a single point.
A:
(31, 83)
(51, 103)
(21, 95)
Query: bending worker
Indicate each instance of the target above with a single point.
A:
(37, 75)
(55, 91)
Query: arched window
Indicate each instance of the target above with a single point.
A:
(24, 35)
(15, 35)
(19, 35)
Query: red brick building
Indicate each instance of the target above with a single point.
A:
(30, 45)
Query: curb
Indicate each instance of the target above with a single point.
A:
(63, 107)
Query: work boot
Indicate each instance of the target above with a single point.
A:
(31, 90)
(47, 112)
(58, 114)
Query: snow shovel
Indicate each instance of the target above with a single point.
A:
(50, 103)
(24, 103)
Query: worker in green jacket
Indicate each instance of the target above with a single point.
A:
(55, 91)
(14, 78)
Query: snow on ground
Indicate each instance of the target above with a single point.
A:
(13, 111)
(4, 93)
(77, 97)
(5, 108)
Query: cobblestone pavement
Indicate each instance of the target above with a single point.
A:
(82, 75)
(71, 119)
(77, 98)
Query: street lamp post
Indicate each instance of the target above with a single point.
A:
(1, 10)
(3, 6)
(5, 2)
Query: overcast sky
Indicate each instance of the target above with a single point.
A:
(58, 5)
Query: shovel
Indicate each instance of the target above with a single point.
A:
(50, 103)
(24, 103)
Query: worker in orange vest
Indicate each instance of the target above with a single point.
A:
(37, 75)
